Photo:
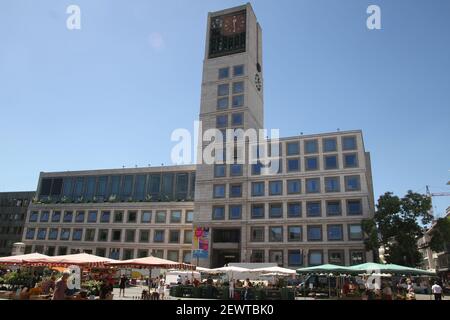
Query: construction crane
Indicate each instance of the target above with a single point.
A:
(436, 194)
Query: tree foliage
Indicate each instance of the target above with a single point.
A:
(440, 234)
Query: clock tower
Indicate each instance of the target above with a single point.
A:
(231, 98)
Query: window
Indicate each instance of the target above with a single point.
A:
(311, 146)
(80, 217)
(142, 253)
(294, 233)
(332, 184)
(354, 207)
(116, 235)
(236, 190)
(238, 87)
(65, 234)
(189, 216)
(45, 215)
(292, 148)
(275, 188)
(237, 119)
(128, 254)
(187, 256)
(336, 257)
(56, 216)
(315, 257)
(235, 212)
(62, 251)
(187, 236)
(293, 165)
(276, 234)
(313, 185)
(30, 233)
(118, 216)
(236, 170)
(223, 89)
(173, 255)
(34, 216)
(144, 235)
(349, 143)
(68, 216)
(219, 191)
(222, 121)
(77, 234)
(114, 253)
(103, 235)
(313, 209)
(257, 256)
(329, 144)
(222, 103)
(158, 236)
(293, 186)
(352, 183)
(174, 236)
(356, 257)
(238, 70)
(101, 252)
(258, 211)
(51, 251)
(92, 216)
(89, 235)
(175, 217)
(160, 217)
(224, 73)
(295, 258)
(350, 160)
(294, 210)
(146, 217)
(105, 217)
(130, 235)
(334, 208)
(53, 234)
(220, 170)
(276, 210)
(238, 101)
(276, 256)
(331, 162)
(334, 232)
(256, 169)
(311, 163)
(355, 232)
(132, 217)
(218, 213)
(315, 233)
(258, 189)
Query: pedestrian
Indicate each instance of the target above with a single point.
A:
(231, 289)
(179, 279)
(436, 289)
(161, 289)
(122, 285)
(61, 287)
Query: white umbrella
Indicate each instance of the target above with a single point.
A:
(274, 270)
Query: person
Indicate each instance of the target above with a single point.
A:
(346, 288)
(61, 287)
(387, 292)
(196, 282)
(247, 286)
(436, 289)
(231, 289)
(186, 281)
(161, 288)
(48, 284)
(122, 285)
(179, 279)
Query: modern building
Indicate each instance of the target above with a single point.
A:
(13, 211)
(307, 212)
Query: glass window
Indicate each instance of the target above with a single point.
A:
(222, 121)
(56, 216)
(276, 210)
(356, 257)
(352, 183)
(315, 258)
(174, 236)
(294, 233)
(294, 209)
(236, 190)
(103, 235)
(79, 187)
(334, 232)
(354, 207)
(329, 144)
(238, 70)
(222, 103)
(173, 255)
(45, 215)
(238, 101)
(275, 187)
(34, 216)
(30, 233)
(237, 119)
(92, 216)
(238, 87)
(258, 189)
(101, 252)
(276, 256)
(311, 146)
(235, 212)
(349, 143)
(175, 217)
(160, 217)
(219, 191)
(130, 235)
(67, 187)
(236, 170)
(334, 208)
(115, 187)
(218, 213)
(144, 235)
(223, 89)
(77, 234)
(220, 170)
(293, 186)
(336, 257)
(65, 234)
(154, 184)
(224, 73)
(276, 234)
(331, 162)
(116, 235)
(118, 216)
(187, 236)
(146, 217)
(256, 169)
(292, 148)
(313, 185)
(139, 187)
(314, 233)
(295, 258)
(313, 209)
(355, 232)
(350, 160)
(90, 187)
(311, 163)
(101, 188)
(128, 254)
(114, 253)
(158, 236)
(80, 217)
(189, 216)
(293, 165)
(53, 234)
(332, 184)
(89, 235)
(105, 217)
(187, 256)
(257, 256)
(258, 211)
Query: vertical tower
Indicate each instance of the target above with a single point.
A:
(231, 98)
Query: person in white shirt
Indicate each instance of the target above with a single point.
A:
(436, 289)
(231, 289)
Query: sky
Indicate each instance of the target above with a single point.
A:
(111, 93)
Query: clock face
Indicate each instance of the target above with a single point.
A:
(258, 82)
(234, 24)
(227, 34)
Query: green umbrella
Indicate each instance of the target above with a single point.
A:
(388, 268)
(324, 268)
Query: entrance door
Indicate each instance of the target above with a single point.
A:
(221, 257)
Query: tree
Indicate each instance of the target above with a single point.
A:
(440, 235)
(397, 226)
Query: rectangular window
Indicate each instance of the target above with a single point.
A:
(237, 119)
(236, 170)
(102, 183)
(292, 148)
(130, 235)
(235, 190)
(238, 101)
(222, 121)
(295, 258)
(350, 160)
(275, 210)
(355, 232)
(158, 236)
(313, 185)
(65, 234)
(173, 255)
(332, 184)
(336, 257)
(275, 188)
(276, 256)
(68, 216)
(293, 165)
(315, 233)
(187, 236)
(313, 209)
(294, 186)
(223, 89)
(311, 163)
(114, 253)
(118, 216)
(33, 216)
(352, 183)
(146, 217)
(114, 187)
(142, 253)
(218, 213)
(315, 257)
(329, 144)
(224, 73)
(77, 234)
(238, 87)
(89, 235)
(56, 216)
(160, 217)
(257, 256)
(294, 209)
(80, 217)
(354, 207)
(356, 257)
(238, 70)
(116, 235)
(187, 256)
(331, 162)
(128, 254)
(101, 252)
(175, 217)
(222, 103)
(144, 235)
(45, 215)
(349, 143)
(53, 234)
(276, 234)
(235, 212)
(174, 236)
(92, 216)
(257, 189)
(220, 170)
(258, 211)
(256, 169)
(139, 187)
(334, 232)
(103, 235)
(62, 251)
(334, 208)
(219, 191)
(105, 217)
(311, 146)
(30, 233)
(189, 216)
(294, 233)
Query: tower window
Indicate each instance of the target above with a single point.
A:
(237, 119)
(238, 87)
(224, 73)
(223, 89)
(238, 70)
(238, 101)
(222, 121)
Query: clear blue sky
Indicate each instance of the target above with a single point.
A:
(111, 93)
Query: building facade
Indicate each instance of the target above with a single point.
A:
(13, 211)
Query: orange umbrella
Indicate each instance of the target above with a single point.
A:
(151, 262)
